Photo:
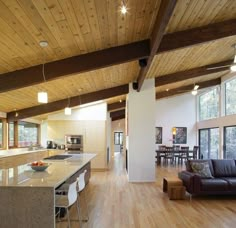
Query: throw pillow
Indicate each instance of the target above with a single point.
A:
(202, 169)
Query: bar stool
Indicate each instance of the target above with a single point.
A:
(80, 188)
(65, 201)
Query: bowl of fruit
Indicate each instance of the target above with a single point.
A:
(39, 165)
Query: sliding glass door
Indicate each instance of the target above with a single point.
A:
(230, 142)
(209, 143)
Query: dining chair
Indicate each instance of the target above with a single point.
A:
(160, 153)
(183, 153)
(66, 201)
(169, 155)
(176, 149)
(194, 153)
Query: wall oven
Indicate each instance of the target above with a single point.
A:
(74, 143)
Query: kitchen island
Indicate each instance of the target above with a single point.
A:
(27, 197)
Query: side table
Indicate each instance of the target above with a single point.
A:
(174, 187)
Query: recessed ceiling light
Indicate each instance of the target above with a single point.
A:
(167, 90)
(43, 43)
(123, 7)
(120, 100)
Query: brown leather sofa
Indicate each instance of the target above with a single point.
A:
(223, 180)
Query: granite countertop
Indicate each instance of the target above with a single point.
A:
(8, 153)
(57, 172)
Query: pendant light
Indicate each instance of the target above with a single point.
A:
(43, 95)
(68, 109)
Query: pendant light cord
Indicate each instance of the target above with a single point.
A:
(44, 78)
(68, 102)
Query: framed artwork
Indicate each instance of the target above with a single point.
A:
(158, 135)
(179, 135)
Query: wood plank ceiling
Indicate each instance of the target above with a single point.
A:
(76, 27)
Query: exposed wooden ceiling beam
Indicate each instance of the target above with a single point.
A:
(116, 105)
(192, 73)
(77, 64)
(74, 101)
(118, 117)
(164, 14)
(198, 35)
(183, 89)
(117, 113)
(116, 55)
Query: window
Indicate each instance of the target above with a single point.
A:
(209, 105)
(1, 134)
(230, 142)
(209, 143)
(11, 134)
(118, 138)
(230, 97)
(27, 134)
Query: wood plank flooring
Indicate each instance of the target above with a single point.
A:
(115, 203)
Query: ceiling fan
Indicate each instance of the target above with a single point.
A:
(232, 66)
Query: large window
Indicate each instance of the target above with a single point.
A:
(230, 97)
(209, 105)
(209, 143)
(1, 134)
(230, 142)
(27, 134)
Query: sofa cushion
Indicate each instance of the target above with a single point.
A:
(202, 169)
(231, 181)
(189, 168)
(224, 168)
(214, 185)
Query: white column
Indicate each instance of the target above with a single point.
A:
(141, 133)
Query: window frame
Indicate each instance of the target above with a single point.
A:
(16, 134)
(4, 128)
(119, 133)
(209, 142)
(225, 98)
(217, 88)
(224, 140)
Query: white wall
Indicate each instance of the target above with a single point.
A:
(95, 112)
(178, 111)
(141, 133)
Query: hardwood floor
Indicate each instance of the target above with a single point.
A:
(113, 202)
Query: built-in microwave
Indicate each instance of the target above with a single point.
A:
(74, 142)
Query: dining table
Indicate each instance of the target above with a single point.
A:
(176, 153)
